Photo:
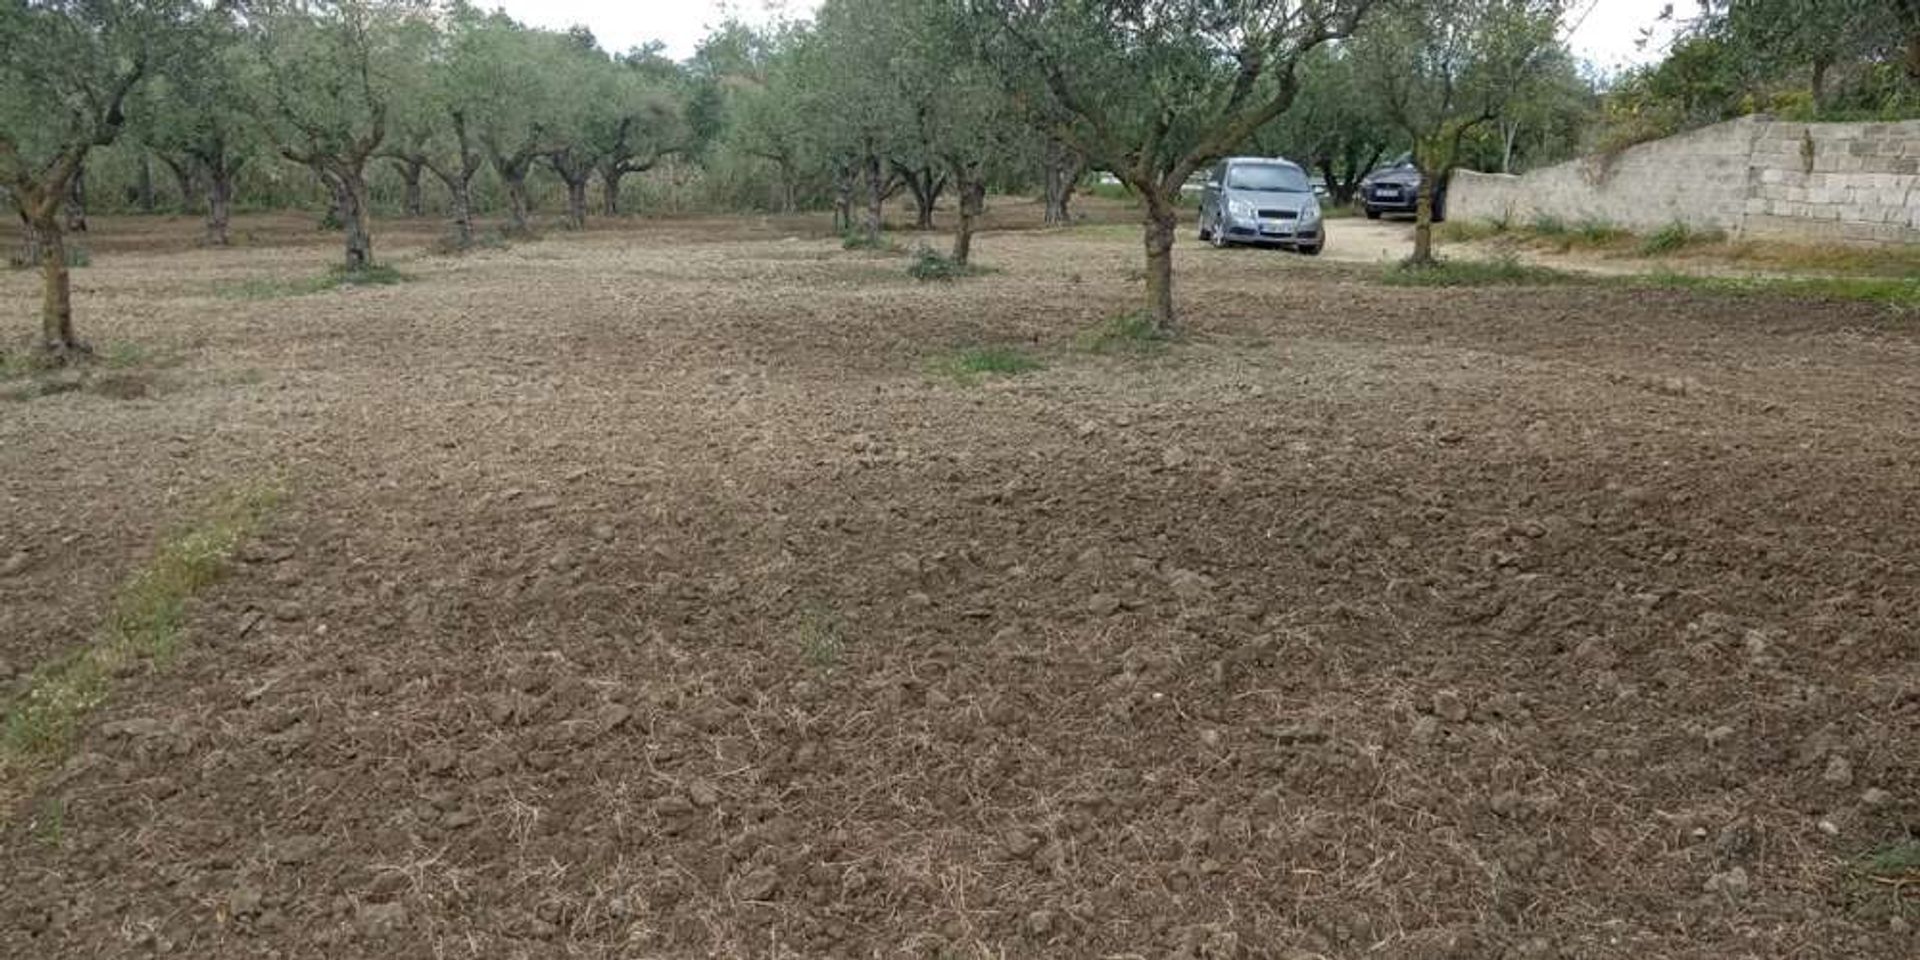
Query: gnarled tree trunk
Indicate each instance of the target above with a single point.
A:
(57, 339)
(413, 200)
(577, 203)
(29, 255)
(1162, 220)
(1063, 169)
(459, 203)
(143, 184)
(873, 172)
(219, 206)
(1423, 222)
(352, 205)
(610, 189)
(843, 184)
(926, 187)
(183, 180)
(519, 205)
(973, 198)
(76, 202)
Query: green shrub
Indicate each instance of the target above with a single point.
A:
(930, 264)
(1548, 225)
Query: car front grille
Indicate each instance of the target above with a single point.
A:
(1279, 214)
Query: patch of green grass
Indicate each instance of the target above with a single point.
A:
(1547, 225)
(1505, 271)
(973, 363)
(124, 355)
(143, 625)
(378, 275)
(1677, 236)
(1895, 859)
(1898, 293)
(1133, 332)
(1467, 231)
(1599, 233)
(49, 824)
(821, 639)
(930, 264)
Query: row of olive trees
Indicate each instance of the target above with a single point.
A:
(873, 97)
(921, 95)
(332, 85)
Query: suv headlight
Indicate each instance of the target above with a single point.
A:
(1310, 213)
(1240, 209)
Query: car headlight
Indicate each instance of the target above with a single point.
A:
(1310, 213)
(1240, 209)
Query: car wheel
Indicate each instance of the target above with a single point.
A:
(1313, 250)
(1205, 234)
(1219, 239)
(1373, 214)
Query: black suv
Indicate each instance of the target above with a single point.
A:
(1395, 188)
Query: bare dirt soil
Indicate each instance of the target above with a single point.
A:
(650, 592)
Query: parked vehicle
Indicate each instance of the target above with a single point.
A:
(1261, 200)
(1395, 188)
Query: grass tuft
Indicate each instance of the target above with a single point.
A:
(931, 265)
(1133, 332)
(378, 275)
(859, 240)
(143, 625)
(1505, 271)
(821, 639)
(1900, 294)
(972, 363)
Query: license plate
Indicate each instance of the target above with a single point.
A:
(1391, 193)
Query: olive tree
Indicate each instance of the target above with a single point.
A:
(512, 76)
(67, 70)
(325, 73)
(1153, 92)
(1441, 69)
(193, 116)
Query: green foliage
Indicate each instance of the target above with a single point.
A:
(1132, 332)
(930, 264)
(143, 625)
(822, 639)
(972, 363)
(336, 278)
(1503, 271)
(1597, 233)
(1677, 236)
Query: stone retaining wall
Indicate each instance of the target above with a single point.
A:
(1752, 177)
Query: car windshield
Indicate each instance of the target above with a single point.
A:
(1270, 177)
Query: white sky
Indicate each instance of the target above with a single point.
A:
(1606, 31)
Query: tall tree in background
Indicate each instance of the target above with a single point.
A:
(193, 116)
(1156, 91)
(325, 75)
(1442, 69)
(1335, 126)
(511, 72)
(67, 69)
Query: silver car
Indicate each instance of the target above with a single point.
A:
(1263, 200)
